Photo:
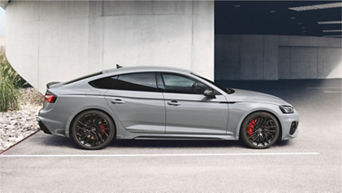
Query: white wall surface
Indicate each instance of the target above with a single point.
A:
(2, 41)
(268, 57)
(58, 41)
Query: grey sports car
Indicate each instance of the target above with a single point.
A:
(162, 103)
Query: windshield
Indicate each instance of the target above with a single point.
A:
(227, 90)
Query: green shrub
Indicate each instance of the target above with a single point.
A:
(9, 83)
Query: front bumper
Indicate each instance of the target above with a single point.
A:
(289, 124)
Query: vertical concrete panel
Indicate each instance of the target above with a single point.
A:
(147, 33)
(23, 50)
(147, 40)
(63, 41)
(130, 8)
(284, 63)
(52, 41)
(203, 38)
(252, 58)
(227, 57)
(171, 7)
(329, 63)
(309, 41)
(298, 41)
(270, 54)
(95, 31)
(303, 62)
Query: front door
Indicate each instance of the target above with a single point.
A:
(188, 111)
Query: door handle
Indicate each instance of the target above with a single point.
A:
(118, 101)
(173, 102)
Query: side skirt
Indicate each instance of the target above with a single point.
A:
(184, 137)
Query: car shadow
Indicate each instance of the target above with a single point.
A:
(183, 143)
(57, 141)
(283, 143)
(173, 143)
(67, 142)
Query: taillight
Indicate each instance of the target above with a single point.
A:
(50, 98)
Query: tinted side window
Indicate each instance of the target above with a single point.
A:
(182, 84)
(134, 81)
(106, 83)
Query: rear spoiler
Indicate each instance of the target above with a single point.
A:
(48, 85)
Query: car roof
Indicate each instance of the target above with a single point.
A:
(144, 69)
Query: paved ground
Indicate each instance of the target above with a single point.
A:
(310, 163)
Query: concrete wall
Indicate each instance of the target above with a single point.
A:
(58, 41)
(2, 45)
(268, 57)
(2, 41)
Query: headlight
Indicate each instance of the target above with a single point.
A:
(287, 109)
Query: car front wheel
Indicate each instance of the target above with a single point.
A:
(260, 130)
(92, 130)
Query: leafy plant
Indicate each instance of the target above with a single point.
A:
(9, 84)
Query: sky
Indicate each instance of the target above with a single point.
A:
(2, 22)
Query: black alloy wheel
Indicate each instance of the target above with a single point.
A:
(260, 130)
(92, 130)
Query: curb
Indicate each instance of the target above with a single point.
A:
(3, 151)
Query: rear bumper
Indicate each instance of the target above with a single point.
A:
(43, 127)
(50, 126)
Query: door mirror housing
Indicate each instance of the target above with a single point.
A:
(210, 93)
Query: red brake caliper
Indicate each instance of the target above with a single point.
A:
(251, 126)
(103, 128)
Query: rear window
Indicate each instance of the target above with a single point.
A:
(135, 81)
(82, 78)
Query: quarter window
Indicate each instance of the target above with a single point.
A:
(134, 81)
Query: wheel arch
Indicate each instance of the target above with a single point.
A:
(91, 109)
(265, 111)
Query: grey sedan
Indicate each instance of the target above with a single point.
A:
(162, 103)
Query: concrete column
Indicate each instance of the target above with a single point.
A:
(58, 41)
(203, 38)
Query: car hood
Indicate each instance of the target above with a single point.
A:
(252, 96)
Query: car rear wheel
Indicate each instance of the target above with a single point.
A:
(92, 130)
(260, 130)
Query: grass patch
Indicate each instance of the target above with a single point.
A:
(10, 81)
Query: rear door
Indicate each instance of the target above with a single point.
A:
(136, 102)
(188, 111)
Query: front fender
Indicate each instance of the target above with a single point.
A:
(240, 110)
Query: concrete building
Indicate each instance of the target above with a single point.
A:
(57, 41)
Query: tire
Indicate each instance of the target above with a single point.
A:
(260, 130)
(92, 130)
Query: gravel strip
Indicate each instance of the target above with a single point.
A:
(16, 125)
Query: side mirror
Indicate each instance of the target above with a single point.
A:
(210, 93)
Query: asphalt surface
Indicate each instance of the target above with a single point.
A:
(310, 163)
